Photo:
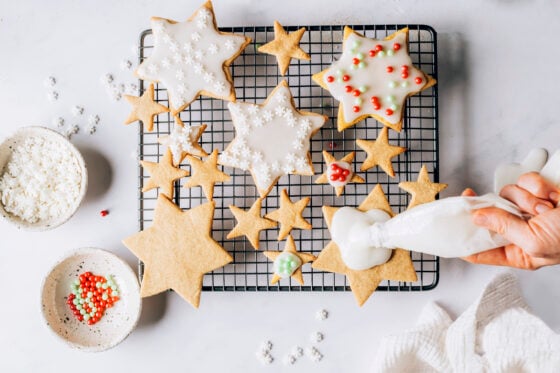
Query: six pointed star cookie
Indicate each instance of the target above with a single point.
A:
(364, 282)
(334, 174)
(183, 141)
(250, 223)
(162, 175)
(289, 215)
(380, 152)
(206, 174)
(144, 108)
(285, 47)
(373, 78)
(290, 249)
(271, 139)
(423, 190)
(192, 58)
(177, 250)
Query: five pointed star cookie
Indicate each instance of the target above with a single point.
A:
(144, 108)
(423, 190)
(290, 248)
(192, 58)
(162, 175)
(289, 215)
(271, 139)
(206, 174)
(345, 163)
(364, 282)
(177, 250)
(285, 47)
(380, 152)
(250, 223)
(183, 141)
(373, 78)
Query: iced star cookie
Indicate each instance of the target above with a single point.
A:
(192, 58)
(289, 215)
(162, 175)
(339, 172)
(144, 108)
(271, 139)
(183, 140)
(380, 152)
(288, 262)
(285, 47)
(373, 78)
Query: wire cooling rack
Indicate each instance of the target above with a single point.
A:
(255, 75)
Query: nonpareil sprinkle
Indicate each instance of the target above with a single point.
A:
(91, 295)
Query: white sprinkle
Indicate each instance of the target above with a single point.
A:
(290, 360)
(77, 110)
(126, 65)
(267, 346)
(314, 354)
(75, 129)
(92, 129)
(52, 96)
(58, 122)
(322, 315)
(93, 119)
(107, 78)
(297, 351)
(50, 81)
(317, 337)
(131, 88)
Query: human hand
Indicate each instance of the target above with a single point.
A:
(534, 242)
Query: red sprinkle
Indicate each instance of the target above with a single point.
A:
(372, 53)
(374, 99)
(389, 112)
(330, 78)
(376, 106)
(104, 213)
(349, 88)
(390, 69)
(404, 68)
(356, 92)
(356, 109)
(378, 48)
(332, 145)
(355, 61)
(418, 80)
(396, 46)
(404, 75)
(346, 78)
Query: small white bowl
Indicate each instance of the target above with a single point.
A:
(117, 322)
(5, 153)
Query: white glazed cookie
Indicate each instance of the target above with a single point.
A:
(373, 78)
(192, 58)
(271, 139)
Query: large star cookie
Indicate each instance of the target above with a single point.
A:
(373, 78)
(285, 47)
(423, 190)
(364, 282)
(183, 140)
(192, 58)
(250, 223)
(271, 139)
(177, 250)
(339, 172)
(288, 262)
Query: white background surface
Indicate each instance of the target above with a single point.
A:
(498, 84)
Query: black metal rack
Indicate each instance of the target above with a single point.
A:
(255, 75)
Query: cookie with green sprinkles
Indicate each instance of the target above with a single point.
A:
(288, 263)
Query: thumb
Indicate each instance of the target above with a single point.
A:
(511, 227)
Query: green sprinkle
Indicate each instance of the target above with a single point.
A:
(390, 98)
(381, 54)
(390, 52)
(104, 296)
(89, 294)
(339, 72)
(79, 307)
(356, 44)
(353, 50)
(404, 84)
(75, 302)
(86, 317)
(75, 292)
(104, 286)
(363, 88)
(98, 285)
(361, 65)
(82, 301)
(360, 56)
(392, 84)
(76, 282)
(353, 67)
(393, 107)
(82, 311)
(92, 314)
(94, 309)
(357, 101)
(114, 288)
(339, 79)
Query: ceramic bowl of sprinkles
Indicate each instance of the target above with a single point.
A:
(43, 179)
(91, 299)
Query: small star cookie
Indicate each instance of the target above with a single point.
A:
(289, 215)
(373, 78)
(339, 172)
(285, 47)
(422, 190)
(144, 108)
(177, 250)
(288, 262)
(183, 141)
(250, 223)
(192, 58)
(380, 152)
(206, 174)
(364, 282)
(162, 175)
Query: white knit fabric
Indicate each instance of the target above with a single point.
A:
(495, 334)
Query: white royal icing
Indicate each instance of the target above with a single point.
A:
(372, 79)
(268, 142)
(281, 265)
(191, 51)
(181, 140)
(331, 171)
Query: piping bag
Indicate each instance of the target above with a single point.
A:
(443, 227)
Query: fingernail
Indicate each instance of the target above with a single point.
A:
(480, 219)
(541, 208)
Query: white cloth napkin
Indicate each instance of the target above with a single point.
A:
(495, 334)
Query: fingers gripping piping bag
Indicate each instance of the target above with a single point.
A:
(443, 227)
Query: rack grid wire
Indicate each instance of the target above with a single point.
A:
(255, 75)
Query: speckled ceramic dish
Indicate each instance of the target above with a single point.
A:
(5, 152)
(117, 322)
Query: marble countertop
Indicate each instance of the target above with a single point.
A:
(498, 86)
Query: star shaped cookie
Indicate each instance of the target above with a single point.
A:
(177, 250)
(285, 47)
(289, 254)
(162, 175)
(183, 140)
(250, 223)
(423, 190)
(144, 108)
(271, 139)
(192, 58)
(373, 78)
(380, 152)
(289, 215)
(206, 174)
(364, 282)
(339, 172)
